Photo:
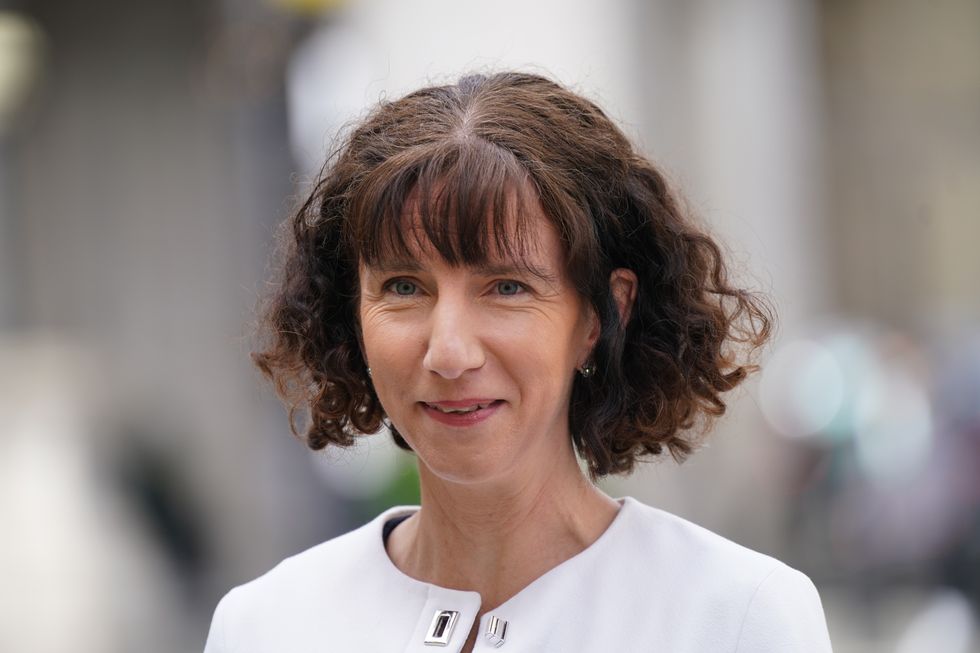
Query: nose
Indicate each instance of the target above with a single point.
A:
(454, 345)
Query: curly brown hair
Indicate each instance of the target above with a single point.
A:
(461, 151)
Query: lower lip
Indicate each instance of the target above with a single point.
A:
(462, 419)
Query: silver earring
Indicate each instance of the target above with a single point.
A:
(369, 371)
(587, 370)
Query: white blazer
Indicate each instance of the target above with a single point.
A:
(651, 582)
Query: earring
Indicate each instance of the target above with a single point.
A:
(369, 371)
(587, 370)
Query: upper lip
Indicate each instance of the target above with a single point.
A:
(459, 403)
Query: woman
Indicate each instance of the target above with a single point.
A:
(490, 270)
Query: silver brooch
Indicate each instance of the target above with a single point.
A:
(496, 631)
(441, 628)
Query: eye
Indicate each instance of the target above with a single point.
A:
(401, 287)
(509, 287)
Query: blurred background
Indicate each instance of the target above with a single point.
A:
(149, 149)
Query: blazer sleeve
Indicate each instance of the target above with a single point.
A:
(785, 615)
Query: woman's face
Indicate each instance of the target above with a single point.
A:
(475, 366)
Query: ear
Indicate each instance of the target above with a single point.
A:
(595, 326)
(623, 284)
(592, 330)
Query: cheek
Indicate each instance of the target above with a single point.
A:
(382, 330)
(546, 360)
(540, 357)
(388, 350)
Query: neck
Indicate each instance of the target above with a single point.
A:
(496, 539)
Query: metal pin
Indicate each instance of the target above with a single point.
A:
(496, 631)
(441, 628)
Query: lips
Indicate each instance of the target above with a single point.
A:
(461, 412)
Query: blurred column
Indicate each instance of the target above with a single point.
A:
(8, 265)
(147, 194)
(904, 97)
(21, 53)
(733, 105)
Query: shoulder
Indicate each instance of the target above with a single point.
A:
(764, 603)
(292, 593)
(691, 547)
(784, 614)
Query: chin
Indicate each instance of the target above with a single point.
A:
(462, 470)
(470, 473)
(466, 456)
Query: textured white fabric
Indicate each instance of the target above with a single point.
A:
(652, 582)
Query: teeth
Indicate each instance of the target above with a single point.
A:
(460, 410)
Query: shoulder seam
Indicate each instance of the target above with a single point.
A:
(748, 607)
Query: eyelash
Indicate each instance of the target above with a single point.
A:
(390, 286)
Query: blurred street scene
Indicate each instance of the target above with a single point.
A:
(149, 149)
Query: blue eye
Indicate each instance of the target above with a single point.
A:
(402, 287)
(509, 287)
